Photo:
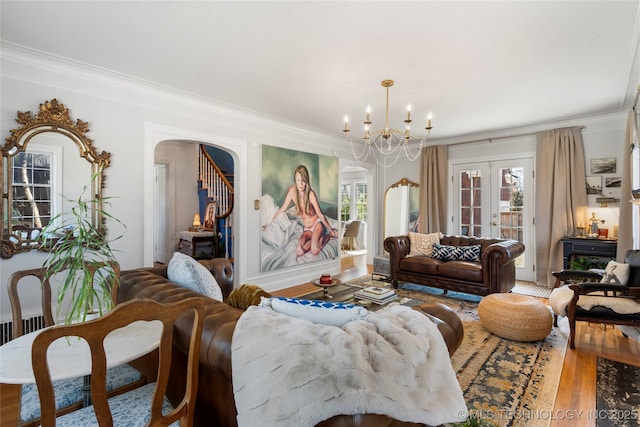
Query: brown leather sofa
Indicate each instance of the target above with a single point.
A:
(215, 405)
(496, 271)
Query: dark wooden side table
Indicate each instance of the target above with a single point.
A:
(577, 246)
(195, 237)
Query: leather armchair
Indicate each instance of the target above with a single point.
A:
(609, 296)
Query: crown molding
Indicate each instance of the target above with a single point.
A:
(97, 81)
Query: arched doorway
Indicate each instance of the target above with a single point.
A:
(182, 217)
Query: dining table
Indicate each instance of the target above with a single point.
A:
(68, 357)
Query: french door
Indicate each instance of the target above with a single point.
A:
(495, 199)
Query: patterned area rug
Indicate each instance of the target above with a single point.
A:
(507, 383)
(617, 394)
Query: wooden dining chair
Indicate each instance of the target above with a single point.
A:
(69, 392)
(147, 405)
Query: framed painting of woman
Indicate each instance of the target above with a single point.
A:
(299, 208)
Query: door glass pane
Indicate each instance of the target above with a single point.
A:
(511, 205)
(470, 203)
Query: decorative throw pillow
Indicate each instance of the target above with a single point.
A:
(456, 253)
(327, 313)
(246, 295)
(422, 244)
(616, 273)
(186, 271)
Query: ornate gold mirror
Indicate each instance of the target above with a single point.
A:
(401, 207)
(39, 165)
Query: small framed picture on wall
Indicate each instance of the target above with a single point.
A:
(594, 184)
(607, 165)
(612, 182)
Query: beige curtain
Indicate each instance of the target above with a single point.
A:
(433, 189)
(625, 223)
(561, 196)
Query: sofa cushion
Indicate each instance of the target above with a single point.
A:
(616, 273)
(464, 270)
(420, 265)
(422, 244)
(189, 273)
(324, 312)
(456, 253)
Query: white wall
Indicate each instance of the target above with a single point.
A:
(129, 119)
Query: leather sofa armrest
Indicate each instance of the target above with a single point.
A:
(222, 270)
(500, 253)
(498, 264)
(398, 248)
(447, 321)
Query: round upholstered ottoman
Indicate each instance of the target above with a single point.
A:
(515, 317)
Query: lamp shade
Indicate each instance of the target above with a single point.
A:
(196, 220)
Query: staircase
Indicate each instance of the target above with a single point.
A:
(215, 185)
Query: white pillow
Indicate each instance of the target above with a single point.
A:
(616, 273)
(186, 271)
(324, 312)
(422, 244)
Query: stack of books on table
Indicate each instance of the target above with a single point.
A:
(376, 295)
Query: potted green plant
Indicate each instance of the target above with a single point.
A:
(80, 252)
(517, 199)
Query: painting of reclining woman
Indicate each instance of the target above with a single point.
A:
(299, 208)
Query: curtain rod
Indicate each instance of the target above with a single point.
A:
(491, 139)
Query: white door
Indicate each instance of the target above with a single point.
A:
(160, 209)
(495, 199)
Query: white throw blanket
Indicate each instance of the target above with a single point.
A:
(292, 372)
(561, 297)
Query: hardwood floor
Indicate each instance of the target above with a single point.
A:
(576, 397)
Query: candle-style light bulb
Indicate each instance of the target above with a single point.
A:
(346, 124)
(429, 117)
(408, 112)
(368, 114)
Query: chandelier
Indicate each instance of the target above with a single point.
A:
(386, 145)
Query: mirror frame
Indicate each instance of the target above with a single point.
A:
(401, 183)
(52, 116)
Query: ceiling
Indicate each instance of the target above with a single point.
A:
(478, 66)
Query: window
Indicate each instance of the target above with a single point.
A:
(345, 202)
(361, 202)
(353, 201)
(32, 188)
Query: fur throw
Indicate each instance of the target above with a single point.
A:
(561, 297)
(289, 371)
(246, 295)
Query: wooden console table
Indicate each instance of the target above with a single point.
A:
(195, 237)
(577, 246)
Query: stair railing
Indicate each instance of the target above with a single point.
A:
(215, 183)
